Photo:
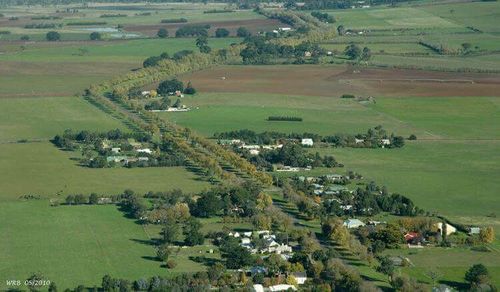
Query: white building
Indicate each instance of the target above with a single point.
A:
(353, 223)
(282, 287)
(307, 142)
(116, 150)
(145, 150)
(449, 228)
(301, 277)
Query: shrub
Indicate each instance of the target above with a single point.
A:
(52, 36)
(412, 137)
(174, 20)
(162, 33)
(347, 96)
(221, 33)
(95, 36)
(242, 32)
(281, 118)
(25, 38)
(171, 264)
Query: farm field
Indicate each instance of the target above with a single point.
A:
(64, 70)
(45, 170)
(43, 118)
(335, 80)
(78, 244)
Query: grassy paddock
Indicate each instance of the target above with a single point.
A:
(43, 118)
(41, 168)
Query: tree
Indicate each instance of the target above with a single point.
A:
(35, 281)
(170, 87)
(25, 38)
(93, 199)
(236, 256)
(208, 205)
(163, 252)
(95, 36)
(189, 89)
(202, 44)
(52, 287)
(221, 32)
(487, 234)
(192, 233)
(466, 47)
(341, 29)
(366, 54)
(53, 36)
(162, 33)
(353, 51)
(151, 61)
(243, 32)
(170, 232)
(386, 267)
(477, 274)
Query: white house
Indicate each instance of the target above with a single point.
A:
(116, 150)
(474, 230)
(353, 223)
(385, 142)
(282, 287)
(145, 150)
(449, 228)
(301, 277)
(285, 28)
(245, 240)
(145, 93)
(358, 140)
(254, 152)
(307, 142)
(258, 288)
(247, 234)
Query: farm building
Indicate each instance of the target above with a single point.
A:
(449, 228)
(307, 142)
(301, 277)
(353, 223)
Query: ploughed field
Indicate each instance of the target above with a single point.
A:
(334, 80)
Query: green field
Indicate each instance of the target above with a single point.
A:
(218, 112)
(52, 70)
(74, 245)
(42, 169)
(43, 118)
(450, 263)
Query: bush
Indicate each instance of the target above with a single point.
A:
(162, 33)
(189, 89)
(174, 20)
(288, 119)
(95, 36)
(25, 38)
(170, 86)
(412, 137)
(52, 36)
(242, 32)
(347, 96)
(171, 264)
(221, 33)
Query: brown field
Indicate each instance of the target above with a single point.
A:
(336, 80)
(253, 25)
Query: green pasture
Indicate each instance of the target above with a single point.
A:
(449, 263)
(131, 51)
(481, 15)
(74, 245)
(390, 18)
(42, 169)
(218, 112)
(43, 118)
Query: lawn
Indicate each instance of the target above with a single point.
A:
(74, 245)
(43, 118)
(42, 169)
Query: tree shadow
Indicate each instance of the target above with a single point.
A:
(152, 242)
(204, 260)
(460, 286)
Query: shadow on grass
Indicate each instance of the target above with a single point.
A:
(204, 260)
(150, 258)
(460, 286)
(152, 242)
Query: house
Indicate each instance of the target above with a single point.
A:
(145, 93)
(449, 228)
(257, 147)
(346, 207)
(145, 150)
(245, 240)
(247, 234)
(116, 150)
(301, 277)
(334, 177)
(258, 288)
(117, 159)
(229, 141)
(474, 230)
(285, 29)
(358, 140)
(282, 287)
(288, 168)
(307, 54)
(385, 141)
(307, 142)
(353, 223)
(254, 152)
(411, 236)
(260, 232)
(143, 158)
